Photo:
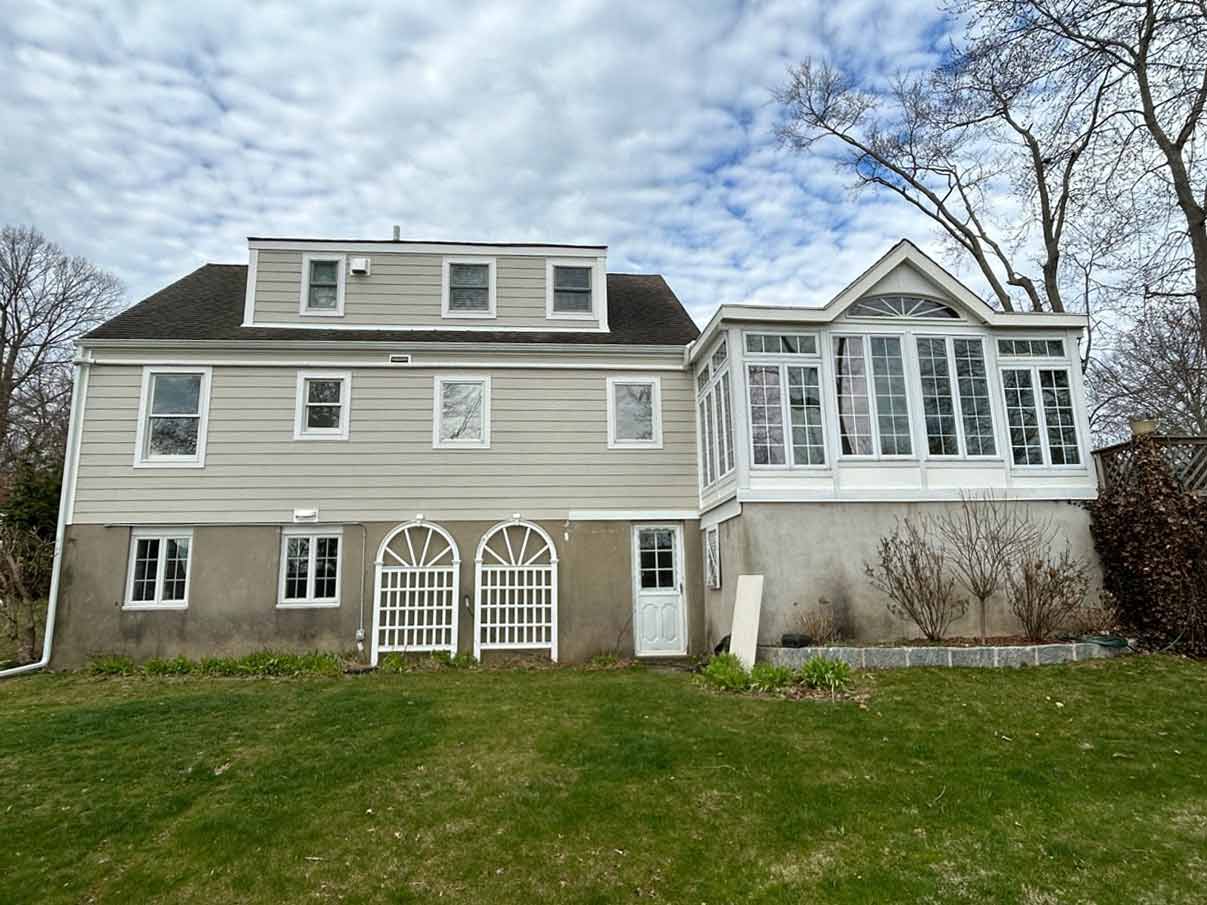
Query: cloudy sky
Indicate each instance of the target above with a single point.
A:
(154, 137)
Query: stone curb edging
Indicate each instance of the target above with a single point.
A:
(899, 657)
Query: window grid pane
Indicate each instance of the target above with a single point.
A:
(297, 568)
(326, 567)
(972, 380)
(175, 568)
(892, 407)
(657, 552)
(705, 447)
(938, 406)
(324, 404)
(146, 570)
(854, 414)
(1021, 417)
(727, 461)
(804, 412)
(572, 290)
(469, 287)
(461, 410)
(1058, 414)
(174, 421)
(766, 415)
(633, 409)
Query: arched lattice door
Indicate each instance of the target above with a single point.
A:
(516, 590)
(417, 579)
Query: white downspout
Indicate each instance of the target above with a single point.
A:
(70, 456)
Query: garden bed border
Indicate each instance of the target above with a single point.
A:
(999, 656)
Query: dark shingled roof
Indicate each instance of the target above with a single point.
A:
(208, 305)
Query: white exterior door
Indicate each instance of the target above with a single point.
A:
(659, 617)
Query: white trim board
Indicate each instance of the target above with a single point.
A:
(437, 248)
(304, 362)
(430, 328)
(249, 299)
(632, 515)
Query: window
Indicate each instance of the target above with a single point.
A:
(634, 412)
(901, 306)
(569, 284)
(172, 418)
(1022, 417)
(776, 416)
(461, 413)
(310, 567)
(158, 576)
(938, 402)
(322, 285)
(976, 411)
(851, 389)
(892, 408)
(766, 414)
(781, 343)
(656, 547)
(1058, 417)
(715, 407)
(712, 558)
(1031, 348)
(322, 407)
(469, 287)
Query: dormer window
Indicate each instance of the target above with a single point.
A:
(570, 288)
(469, 287)
(323, 285)
(898, 306)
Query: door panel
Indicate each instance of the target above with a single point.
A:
(658, 615)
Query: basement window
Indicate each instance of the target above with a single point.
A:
(310, 567)
(159, 567)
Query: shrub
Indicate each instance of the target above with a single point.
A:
(272, 663)
(826, 674)
(112, 665)
(1151, 537)
(819, 625)
(768, 677)
(911, 571)
(726, 671)
(177, 666)
(1044, 591)
(394, 663)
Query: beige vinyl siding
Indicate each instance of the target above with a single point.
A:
(548, 453)
(405, 290)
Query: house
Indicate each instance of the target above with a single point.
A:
(422, 446)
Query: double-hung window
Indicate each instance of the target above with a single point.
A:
(870, 387)
(322, 410)
(158, 570)
(569, 288)
(322, 285)
(634, 412)
(1040, 416)
(173, 414)
(310, 567)
(956, 406)
(469, 287)
(714, 406)
(461, 412)
(712, 558)
(783, 384)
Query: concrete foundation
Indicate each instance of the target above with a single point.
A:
(233, 593)
(812, 555)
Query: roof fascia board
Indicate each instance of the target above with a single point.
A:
(436, 248)
(674, 352)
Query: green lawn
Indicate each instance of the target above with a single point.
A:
(485, 787)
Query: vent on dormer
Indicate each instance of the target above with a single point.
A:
(359, 267)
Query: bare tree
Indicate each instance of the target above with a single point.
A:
(47, 299)
(910, 571)
(985, 538)
(1155, 369)
(1157, 49)
(25, 563)
(1047, 589)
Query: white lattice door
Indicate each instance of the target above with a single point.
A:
(417, 582)
(516, 590)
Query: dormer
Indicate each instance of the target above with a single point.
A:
(403, 285)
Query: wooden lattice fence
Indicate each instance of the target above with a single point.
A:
(1186, 457)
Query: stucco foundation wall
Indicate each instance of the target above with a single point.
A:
(233, 593)
(808, 552)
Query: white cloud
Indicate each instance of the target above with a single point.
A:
(151, 138)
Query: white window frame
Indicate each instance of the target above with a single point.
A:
(163, 535)
(713, 580)
(949, 340)
(1034, 366)
(798, 334)
(304, 308)
(782, 362)
(910, 379)
(438, 383)
(142, 458)
(309, 602)
(446, 286)
(596, 282)
(655, 383)
(713, 386)
(300, 431)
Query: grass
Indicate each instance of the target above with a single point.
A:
(1082, 783)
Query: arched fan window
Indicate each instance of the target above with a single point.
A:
(901, 306)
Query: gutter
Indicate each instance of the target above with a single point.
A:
(70, 459)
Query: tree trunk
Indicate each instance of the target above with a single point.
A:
(27, 640)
